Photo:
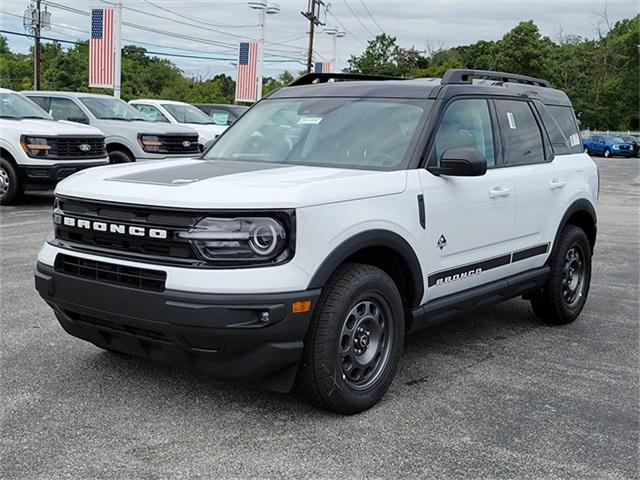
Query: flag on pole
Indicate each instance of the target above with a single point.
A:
(101, 50)
(246, 80)
(322, 67)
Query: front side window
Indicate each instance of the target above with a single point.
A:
(151, 112)
(521, 135)
(65, 109)
(14, 105)
(186, 114)
(363, 133)
(105, 108)
(466, 124)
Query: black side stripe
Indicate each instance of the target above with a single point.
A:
(473, 269)
(529, 252)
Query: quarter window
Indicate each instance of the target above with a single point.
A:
(566, 121)
(466, 124)
(521, 135)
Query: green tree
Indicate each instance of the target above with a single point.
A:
(383, 56)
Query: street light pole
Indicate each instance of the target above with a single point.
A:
(335, 33)
(36, 48)
(264, 8)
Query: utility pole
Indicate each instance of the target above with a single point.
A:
(313, 15)
(36, 50)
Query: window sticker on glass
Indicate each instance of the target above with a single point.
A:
(309, 120)
(220, 118)
(512, 121)
(574, 139)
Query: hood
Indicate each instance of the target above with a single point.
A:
(118, 127)
(32, 126)
(212, 184)
(207, 132)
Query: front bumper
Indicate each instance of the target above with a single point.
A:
(220, 334)
(45, 177)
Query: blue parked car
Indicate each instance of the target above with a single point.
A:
(608, 146)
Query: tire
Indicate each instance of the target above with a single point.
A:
(118, 156)
(607, 153)
(562, 298)
(586, 150)
(345, 367)
(10, 189)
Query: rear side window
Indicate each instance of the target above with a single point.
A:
(521, 135)
(566, 121)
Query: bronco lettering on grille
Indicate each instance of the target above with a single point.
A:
(115, 228)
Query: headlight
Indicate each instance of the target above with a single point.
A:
(36, 147)
(242, 240)
(150, 143)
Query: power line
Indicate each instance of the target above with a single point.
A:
(358, 18)
(150, 52)
(337, 20)
(180, 15)
(371, 16)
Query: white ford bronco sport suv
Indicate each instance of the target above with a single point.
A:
(36, 151)
(130, 136)
(329, 221)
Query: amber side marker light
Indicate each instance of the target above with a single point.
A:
(301, 306)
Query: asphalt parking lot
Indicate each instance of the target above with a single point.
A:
(492, 394)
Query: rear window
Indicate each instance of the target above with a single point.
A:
(565, 120)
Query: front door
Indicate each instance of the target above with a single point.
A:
(469, 220)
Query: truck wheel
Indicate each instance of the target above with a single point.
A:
(607, 153)
(354, 342)
(118, 156)
(10, 189)
(561, 300)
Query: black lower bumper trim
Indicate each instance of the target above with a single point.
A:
(253, 337)
(36, 177)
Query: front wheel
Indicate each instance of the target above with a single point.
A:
(607, 153)
(118, 156)
(354, 342)
(561, 300)
(10, 189)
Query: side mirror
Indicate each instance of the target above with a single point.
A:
(461, 162)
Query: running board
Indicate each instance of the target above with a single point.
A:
(489, 294)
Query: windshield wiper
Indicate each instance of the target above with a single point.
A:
(10, 116)
(36, 116)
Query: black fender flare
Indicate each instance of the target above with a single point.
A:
(580, 205)
(366, 239)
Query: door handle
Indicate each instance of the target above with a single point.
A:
(555, 183)
(499, 192)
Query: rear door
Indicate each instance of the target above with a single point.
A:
(469, 220)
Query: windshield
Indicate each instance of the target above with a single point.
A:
(617, 140)
(14, 105)
(186, 114)
(364, 133)
(106, 108)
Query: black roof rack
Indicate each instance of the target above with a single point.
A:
(460, 76)
(310, 78)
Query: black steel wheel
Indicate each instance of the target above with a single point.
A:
(354, 341)
(563, 297)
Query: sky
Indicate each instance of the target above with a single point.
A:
(213, 28)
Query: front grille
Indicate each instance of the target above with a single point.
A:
(169, 250)
(175, 144)
(132, 277)
(70, 147)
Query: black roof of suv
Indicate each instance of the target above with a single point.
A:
(454, 82)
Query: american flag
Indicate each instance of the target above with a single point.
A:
(322, 67)
(246, 81)
(101, 53)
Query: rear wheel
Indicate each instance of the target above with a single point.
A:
(118, 156)
(563, 297)
(10, 189)
(354, 341)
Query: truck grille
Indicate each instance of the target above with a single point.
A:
(131, 277)
(171, 250)
(179, 144)
(77, 148)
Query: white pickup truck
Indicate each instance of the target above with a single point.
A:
(36, 151)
